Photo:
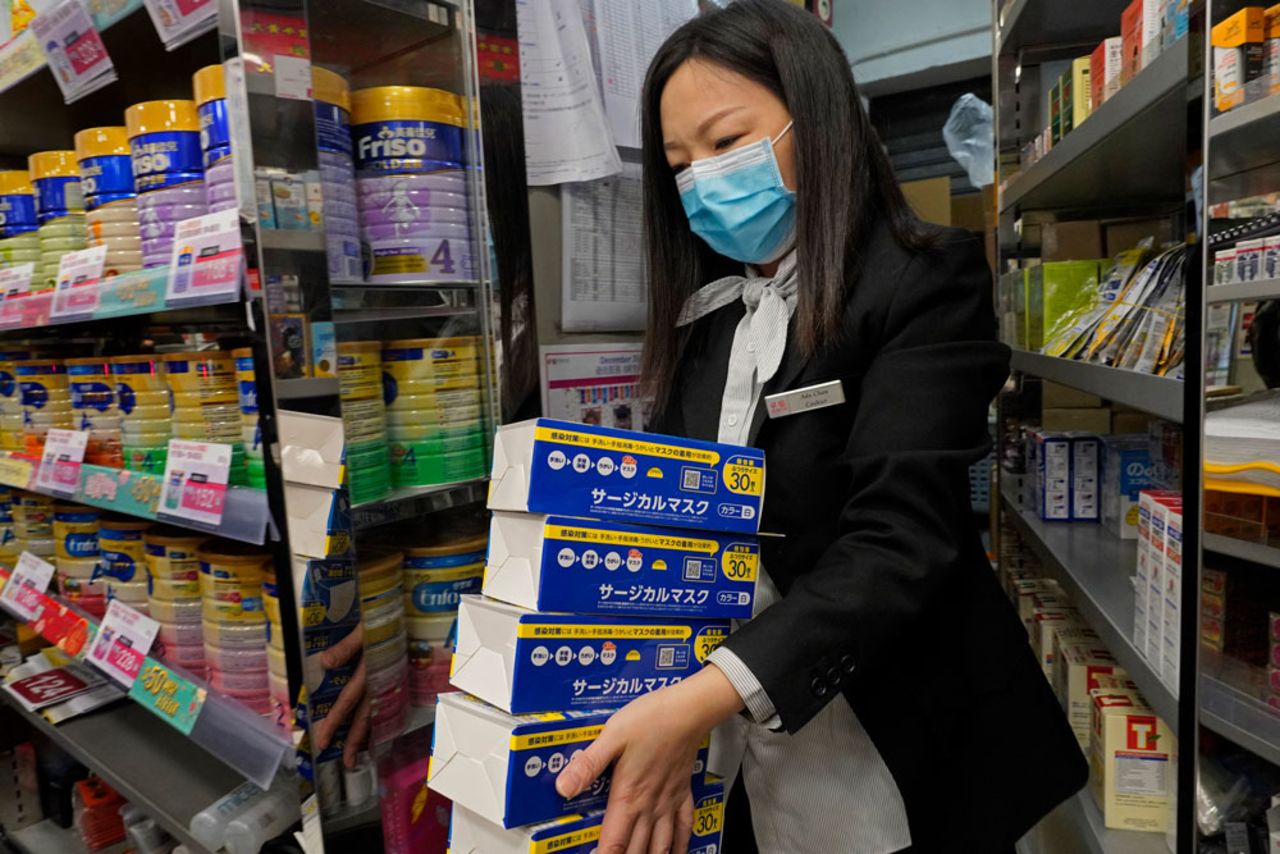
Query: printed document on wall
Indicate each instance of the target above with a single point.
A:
(566, 134)
(594, 384)
(603, 287)
(629, 34)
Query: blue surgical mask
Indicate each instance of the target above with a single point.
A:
(738, 203)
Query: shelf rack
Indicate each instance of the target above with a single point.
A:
(1159, 396)
(1263, 289)
(1233, 704)
(1096, 165)
(1263, 555)
(1078, 823)
(1094, 568)
(1242, 142)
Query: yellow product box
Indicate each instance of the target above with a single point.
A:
(1023, 592)
(1052, 600)
(1045, 626)
(1077, 666)
(1131, 754)
(1239, 54)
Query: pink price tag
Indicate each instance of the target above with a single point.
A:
(204, 497)
(85, 50)
(125, 659)
(217, 271)
(27, 598)
(187, 8)
(66, 475)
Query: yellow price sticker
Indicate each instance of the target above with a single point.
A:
(708, 819)
(707, 642)
(745, 477)
(740, 563)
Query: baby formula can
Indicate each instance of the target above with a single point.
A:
(168, 170)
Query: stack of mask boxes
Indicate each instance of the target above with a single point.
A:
(616, 560)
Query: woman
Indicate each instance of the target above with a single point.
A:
(884, 697)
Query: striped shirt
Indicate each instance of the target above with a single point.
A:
(826, 788)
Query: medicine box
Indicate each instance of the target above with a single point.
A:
(1077, 667)
(503, 767)
(1104, 71)
(1044, 627)
(1156, 545)
(555, 563)
(1126, 471)
(289, 197)
(1055, 113)
(1052, 453)
(1066, 92)
(1177, 22)
(1130, 753)
(1239, 52)
(1131, 32)
(569, 469)
(1249, 260)
(1152, 22)
(1086, 454)
(525, 662)
(1171, 655)
(1057, 293)
(1081, 95)
(1064, 637)
(577, 834)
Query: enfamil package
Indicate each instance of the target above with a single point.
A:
(502, 768)
(525, 662)
(569, 469)
(559, 564)
(577, 834)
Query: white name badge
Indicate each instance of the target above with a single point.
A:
(804, 399)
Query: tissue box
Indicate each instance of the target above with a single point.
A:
(504, 767)
(554, 563)
(523, 662)
(563, 468)
(576, 834)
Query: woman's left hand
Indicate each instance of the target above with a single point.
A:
(653, 743)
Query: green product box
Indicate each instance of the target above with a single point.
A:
(1066, 103)
(1055, 113)
(1057, 292)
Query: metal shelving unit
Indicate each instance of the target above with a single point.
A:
(1262, 289)
(1263, 555)
(1233, 704)
(1159, 396)
(1095, 166)
(1242, 142)
(1095, 569)
(1077, 823)
(1028, 24)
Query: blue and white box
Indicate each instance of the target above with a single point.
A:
(523, 662)
(470, 833)
(1126, 471)
(583, 566)
(568, 469)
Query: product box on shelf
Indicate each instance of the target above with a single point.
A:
(1130, 751)
(1077, 668)
(1176, 23)
(1066, 91)
(1249, 260)
(1104, 71)
(1239, 53)
(556, 563)
(1051, 453)
(1152, 23)
(1081, 94)
(1170, 662)
(564, 468)
(1045, 624)
(1131, 32)
(1055, 113)
(526, 662)
(1126, 471)
(1159, 504)
(578, 834)
(1041, 602)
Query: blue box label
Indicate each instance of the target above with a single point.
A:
(607, 567)
(581, 470)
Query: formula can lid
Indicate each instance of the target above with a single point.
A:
(209, 84)
(53, 164)
(420, 103)
(15, 181)
(102, 142)
(153, 116)
(330, 87)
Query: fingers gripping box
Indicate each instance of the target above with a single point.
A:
(576, 834)
(559, 467)
(523, 662)
(553, 563)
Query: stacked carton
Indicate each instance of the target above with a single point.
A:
(1157, 616)
(616, 559)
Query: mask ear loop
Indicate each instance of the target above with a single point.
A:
(782, 132)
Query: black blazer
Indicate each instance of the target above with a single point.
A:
(888, 596)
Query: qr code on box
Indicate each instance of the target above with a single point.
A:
(667, 657)
(691, 480)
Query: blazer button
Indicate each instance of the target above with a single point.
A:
(833, 676)
(847, 663)
(819, 687)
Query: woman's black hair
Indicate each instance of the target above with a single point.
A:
(844, 183)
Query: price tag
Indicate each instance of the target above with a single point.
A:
(79, 274)
(73, 49)
(53, 686)
(293, 77)
(195, 482)
(122, 642)
(24, 591)
(207, 258)
(169, 695)
(14, 283)
(59, 471)
(179, 21)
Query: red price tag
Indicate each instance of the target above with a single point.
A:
(86, 50)
(52, 686)
(125, 658)
(204, 497)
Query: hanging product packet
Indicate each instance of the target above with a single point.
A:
(1074, 331)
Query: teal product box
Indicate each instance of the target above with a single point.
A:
(1126, 471)
(503, 767)
(582, 566)
(324, 349)
(568, 469)
(470, 833)
(523, 662)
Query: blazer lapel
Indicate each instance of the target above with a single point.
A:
(702, 387)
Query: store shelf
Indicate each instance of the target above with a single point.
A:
(45, 837)
(1244, 291)
(1115, 158)
(292, 240)
(1022, 24)
(410, 503)
(1258, 553)
(1242, 141)
(245, 516)
(1159, 396)
(148, 762)
(305, 387)
(1077, 826)
(1233, 704)
(1095, 569)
